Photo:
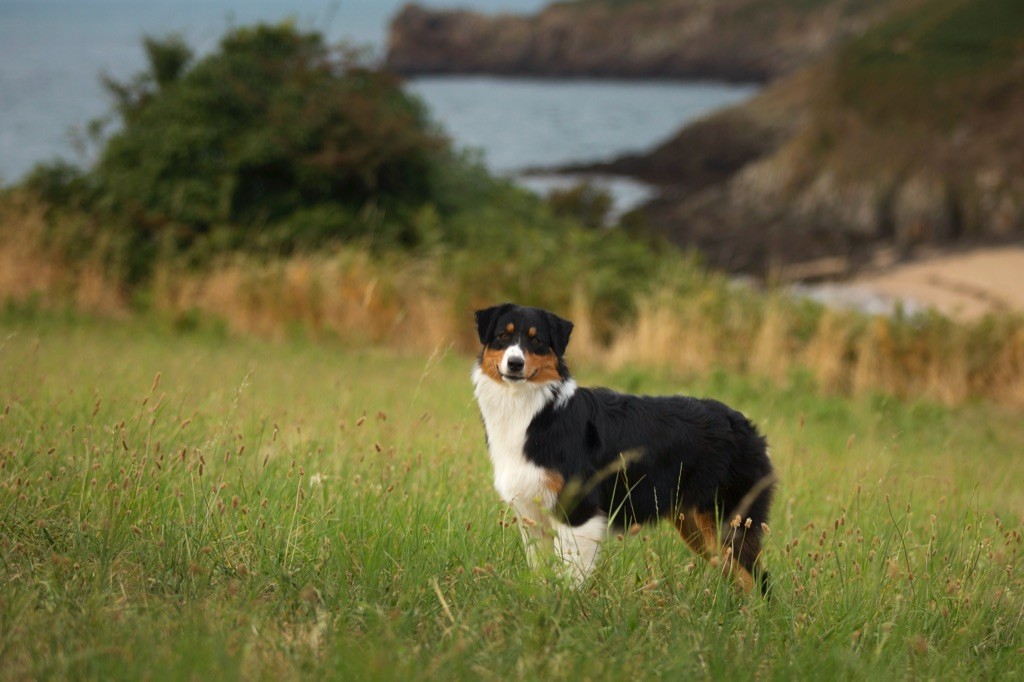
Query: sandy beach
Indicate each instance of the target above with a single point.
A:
(965, 286)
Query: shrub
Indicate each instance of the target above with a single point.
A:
(589, 204)
(273, 127)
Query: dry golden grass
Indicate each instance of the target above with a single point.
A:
(25, 269)
(874, 368)
(1007, 385)
(826, 353)
(771, 356)
(667, 332)
(343, 294)
(34, 265)
(585, 344)
(692, 326)
(946, 377)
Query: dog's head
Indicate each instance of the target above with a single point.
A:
(522, 344)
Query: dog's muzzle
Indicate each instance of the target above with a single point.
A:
(513, 364)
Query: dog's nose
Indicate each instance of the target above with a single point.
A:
(516, 365)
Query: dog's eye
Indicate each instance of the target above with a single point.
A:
(504, 336)
(536, 342)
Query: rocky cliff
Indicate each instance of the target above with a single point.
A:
(739, 40)
(909, 136)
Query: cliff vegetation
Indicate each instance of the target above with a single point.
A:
(907, 136)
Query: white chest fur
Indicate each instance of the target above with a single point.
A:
(507, 411)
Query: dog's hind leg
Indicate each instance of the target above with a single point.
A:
(700, 531)
(693, 533)
(743, 543)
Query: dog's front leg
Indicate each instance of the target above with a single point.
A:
(578, 547)
(535, 529)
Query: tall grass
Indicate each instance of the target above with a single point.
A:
(35, 267)
(693, 327)
(201, 506)
(678, 316)
(344, 294)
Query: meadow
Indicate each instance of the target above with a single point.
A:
(194, 504)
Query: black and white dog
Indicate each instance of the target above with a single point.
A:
(574, 462)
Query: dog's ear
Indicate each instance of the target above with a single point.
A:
(560, 331)
(487, 318)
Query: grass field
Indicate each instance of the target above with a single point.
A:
(198, 506)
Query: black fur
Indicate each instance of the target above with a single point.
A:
(638, 459)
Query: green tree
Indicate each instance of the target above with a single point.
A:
(272, 126)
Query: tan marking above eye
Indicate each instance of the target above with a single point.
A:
(510, 328)
(532, 332)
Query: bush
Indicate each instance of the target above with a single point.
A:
(585, 202)
(58, 183)
(272, 126)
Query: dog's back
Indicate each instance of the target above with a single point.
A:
(667, 453)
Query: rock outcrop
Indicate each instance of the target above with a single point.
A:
(907, 137)
(736, 40)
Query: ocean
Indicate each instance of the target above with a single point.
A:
(53, 52)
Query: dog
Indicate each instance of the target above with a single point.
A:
(578, 462)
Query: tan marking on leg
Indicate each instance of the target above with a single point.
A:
(542, 369)
(700, 532)
(742, 576)
(706, 530)
(489, 362)
(691, 533)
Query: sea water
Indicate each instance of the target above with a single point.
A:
(53, 52)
